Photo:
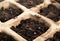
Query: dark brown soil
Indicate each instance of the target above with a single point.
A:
(56, 37)
(5, 37)
(30, 29)
(51, 12)
(6, 14)
(30, 3)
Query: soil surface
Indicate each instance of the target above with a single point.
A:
(51, 12)
(30, 29)
(6, 14)
(30, 3)
(5, 37)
